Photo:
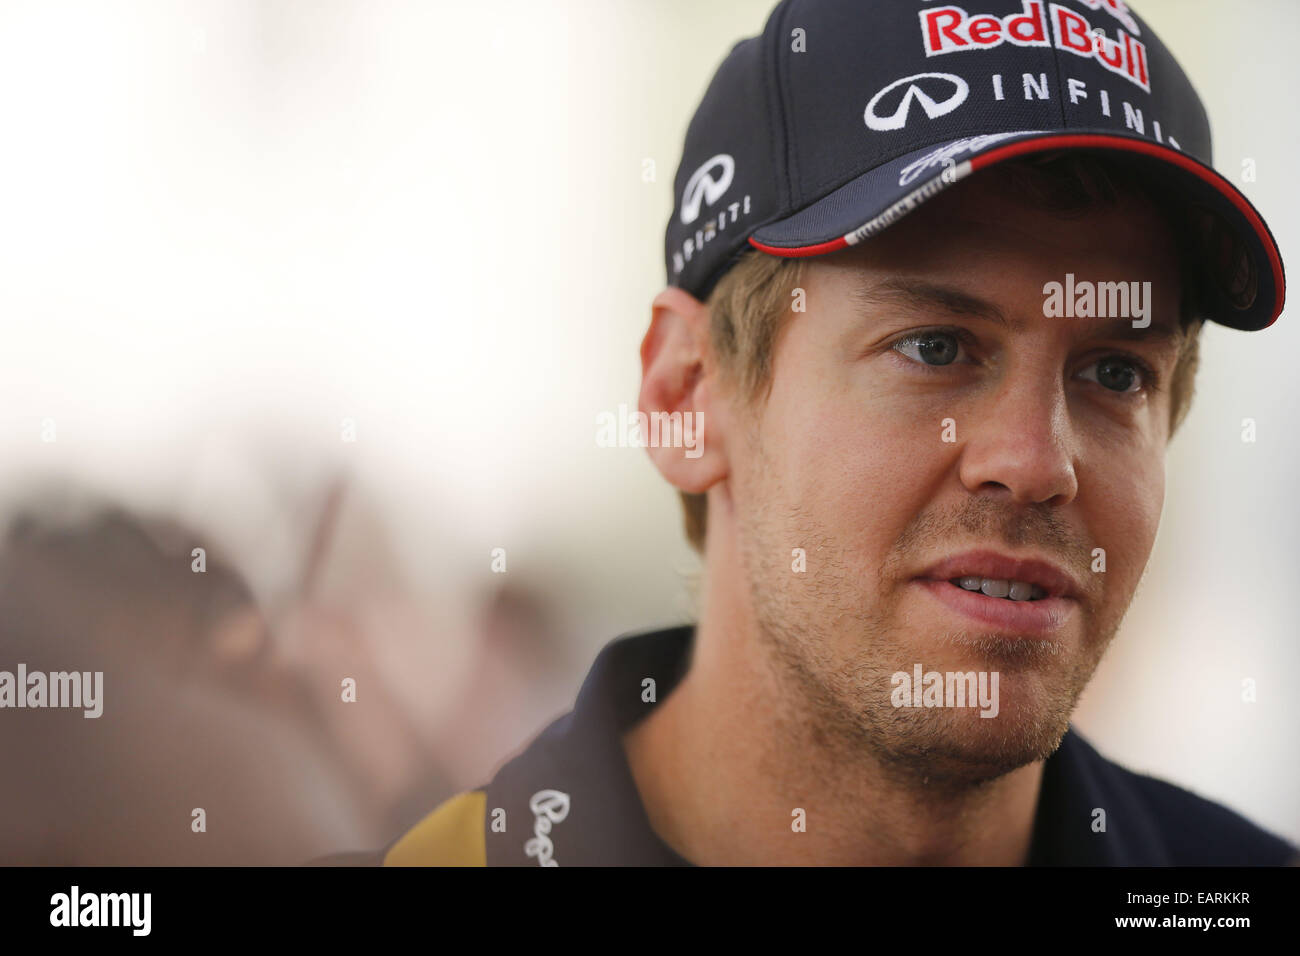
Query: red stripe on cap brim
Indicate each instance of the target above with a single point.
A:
(1093, 141)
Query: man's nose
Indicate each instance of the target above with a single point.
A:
(1021, 439)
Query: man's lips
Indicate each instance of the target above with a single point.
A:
(1055, 593)
(1001, 567)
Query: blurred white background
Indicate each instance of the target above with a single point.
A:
(226, 226)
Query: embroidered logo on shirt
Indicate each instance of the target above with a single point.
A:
(549, 808)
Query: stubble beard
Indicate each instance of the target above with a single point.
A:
(832, 649)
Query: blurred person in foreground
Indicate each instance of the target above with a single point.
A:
(936, 285)
(197, 750)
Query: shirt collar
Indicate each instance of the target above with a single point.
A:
(569, 798)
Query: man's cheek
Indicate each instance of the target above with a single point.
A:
(1124, 513)
(877, 470)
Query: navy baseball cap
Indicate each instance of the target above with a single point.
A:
(844, 115)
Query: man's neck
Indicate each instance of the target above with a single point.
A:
(732, 773)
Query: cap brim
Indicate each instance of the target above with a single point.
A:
(1252, 286)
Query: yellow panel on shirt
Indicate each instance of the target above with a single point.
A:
(452, 835)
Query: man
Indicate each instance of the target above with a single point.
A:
(936, 282)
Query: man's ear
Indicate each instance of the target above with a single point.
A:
(679, 399)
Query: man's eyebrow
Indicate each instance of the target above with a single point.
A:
(1155, 332)
(925, 296)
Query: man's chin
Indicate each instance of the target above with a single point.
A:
(971, 745)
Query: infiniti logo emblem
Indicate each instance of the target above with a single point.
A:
(953, 87)
(702, 186)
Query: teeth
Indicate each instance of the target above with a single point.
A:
(994, 587)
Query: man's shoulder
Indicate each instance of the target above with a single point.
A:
(1200, 832)
(450, 835)
(1192, 830)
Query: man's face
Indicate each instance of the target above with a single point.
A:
(927, 422)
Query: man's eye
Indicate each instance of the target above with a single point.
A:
(932, 348)
(1115, 373)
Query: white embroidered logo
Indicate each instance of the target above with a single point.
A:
(703, 187)
(549, 808)
(955, 86)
